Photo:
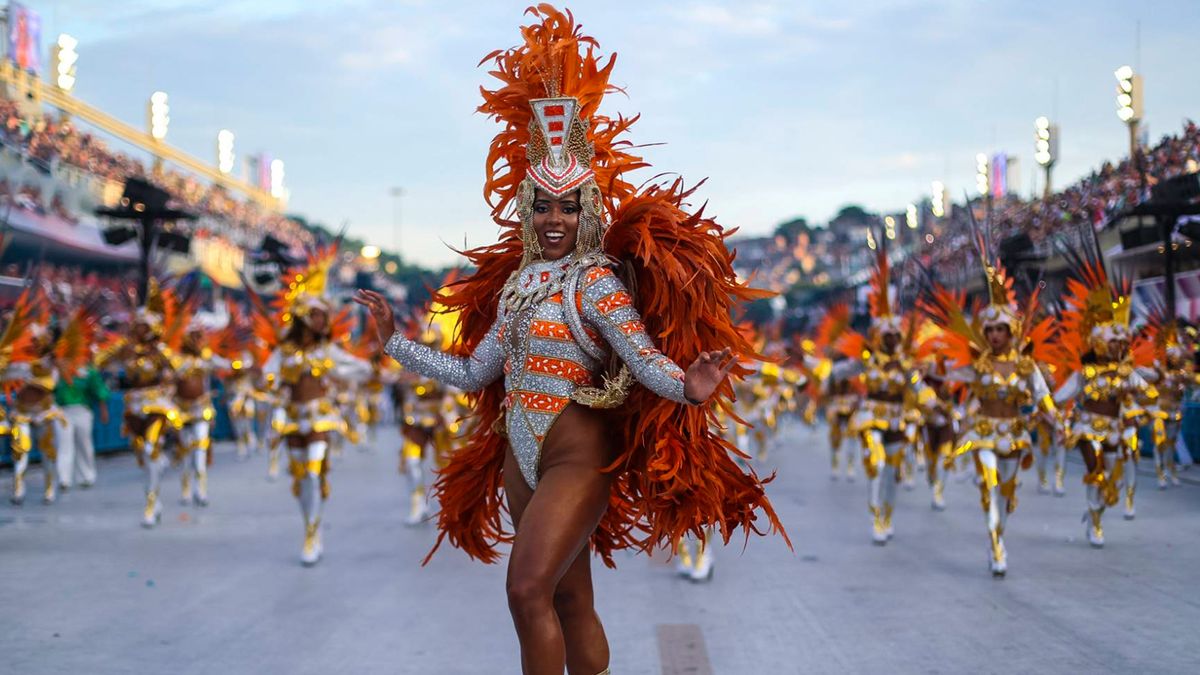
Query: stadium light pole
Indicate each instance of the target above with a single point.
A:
(983, 171)
(1129, 103)
(937, 205)
(225, 156)
(279, 188)
(1045, 148)
(63, 58)
(158, 118)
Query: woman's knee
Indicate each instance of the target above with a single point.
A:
(529, 594)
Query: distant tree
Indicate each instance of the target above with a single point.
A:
(852, 213)
(792, 229)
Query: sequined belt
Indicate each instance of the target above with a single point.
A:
(1094, 427)
(1002, 435)
(879, 416)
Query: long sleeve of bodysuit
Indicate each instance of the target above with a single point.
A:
(469, 373)
(347, 366)
(608, 307)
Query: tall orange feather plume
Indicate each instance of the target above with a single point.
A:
(880, 300)
(674, 475)
(74, 346)
(1090, 298)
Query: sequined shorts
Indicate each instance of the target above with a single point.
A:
(1002, 435)
(311, 417)
(153, 401)
(1093, 427)
(197, 410)
(875, 415)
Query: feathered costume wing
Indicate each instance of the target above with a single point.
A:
(79, 334)
(673, 476)
(960, 339)
(1091, 298)
(16, 344)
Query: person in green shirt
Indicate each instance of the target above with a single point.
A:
(77, 398)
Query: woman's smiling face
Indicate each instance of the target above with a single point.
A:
(556, 223)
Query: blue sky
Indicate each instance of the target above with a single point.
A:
(788, 108)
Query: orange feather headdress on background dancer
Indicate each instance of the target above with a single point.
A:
(674, 476)
(1097, 308)
(960, 336)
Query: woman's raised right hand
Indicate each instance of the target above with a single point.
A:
(377, 305)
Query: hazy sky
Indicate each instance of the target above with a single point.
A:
(788, 108)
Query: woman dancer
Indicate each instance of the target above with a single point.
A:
(546, 313)
(36, 360)
(304, 367)
(883, 362)
(1172, 373)
(1104, 386)
(150, 410)
(995, 356)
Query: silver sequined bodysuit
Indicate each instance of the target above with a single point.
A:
(547, 351)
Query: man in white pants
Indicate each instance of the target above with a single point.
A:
(77, 451)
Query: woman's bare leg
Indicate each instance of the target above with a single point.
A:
(549, 575)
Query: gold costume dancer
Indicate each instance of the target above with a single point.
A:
(145, 360)
(1104, 385)
(194, 367)
(995, 356)
(33, 361)
(304, 367)
(1173, 373)
(884, 363)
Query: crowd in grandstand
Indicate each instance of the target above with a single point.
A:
(47, 140)
(1094, 199)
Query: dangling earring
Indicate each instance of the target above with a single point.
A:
(532, 250)
(529, 242)
(591, 230)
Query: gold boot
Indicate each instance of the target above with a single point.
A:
(311, 552)
(939, 495)
(685, 564)
(151, 514)
(18, 495)
(416, 509)
(1130, 511)
(878, 529)
(999, 563)
(1060, 474)
(1095, 532)
(48, 491)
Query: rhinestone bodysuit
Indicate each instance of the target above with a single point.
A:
(547, 352)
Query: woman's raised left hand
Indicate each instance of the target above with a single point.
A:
(707, 373)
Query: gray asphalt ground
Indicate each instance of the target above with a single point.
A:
(84, 589)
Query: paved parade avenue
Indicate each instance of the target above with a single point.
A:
(220, 590)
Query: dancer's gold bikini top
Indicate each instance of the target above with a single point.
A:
(290, 363)
(882, 378)
(145, 367)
